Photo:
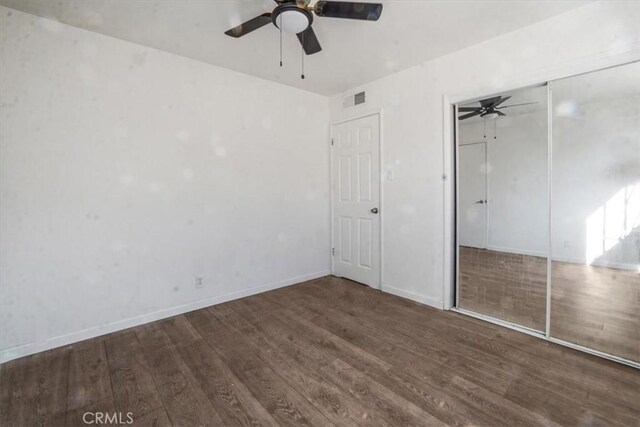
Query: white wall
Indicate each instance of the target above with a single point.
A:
(596, 172)
(517, 189)
(127, 171)
(596, 177)
(412, 101)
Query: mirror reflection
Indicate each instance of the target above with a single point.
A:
(595, 214)
(503, 206)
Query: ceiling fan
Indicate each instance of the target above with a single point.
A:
(489, 108)
(296, 16)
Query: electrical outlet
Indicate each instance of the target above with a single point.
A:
(199, 282)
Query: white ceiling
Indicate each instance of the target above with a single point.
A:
(354, 52)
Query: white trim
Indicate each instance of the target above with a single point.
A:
(547, 329)
(581, 261)
(378, 112)
(381, 197)
(516, 251)
(602, 264)
(448, 180)
(73, 337)
(486, 194)
(422, 299)
(362, 115)
(499, 322)
(595, 352)
(472, 141)
(456, 201)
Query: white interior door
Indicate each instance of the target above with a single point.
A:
(472, 195)
(355, 184)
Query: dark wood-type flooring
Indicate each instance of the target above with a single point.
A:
(596, 307)
(324, 352)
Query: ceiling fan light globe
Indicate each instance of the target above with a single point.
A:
(491, 116)
(292, 21)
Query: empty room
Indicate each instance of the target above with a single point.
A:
(315, 212)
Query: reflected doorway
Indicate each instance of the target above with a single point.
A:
(502, 206)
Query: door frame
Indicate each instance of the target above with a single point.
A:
(376, 112)
(459, 144)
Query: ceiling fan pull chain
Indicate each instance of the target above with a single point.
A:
(280, 41)
(302, 55)
(484, 123)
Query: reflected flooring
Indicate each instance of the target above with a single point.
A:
(324, 352)
(503, 285)
(595, 307)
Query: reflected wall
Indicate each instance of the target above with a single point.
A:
(595, 212)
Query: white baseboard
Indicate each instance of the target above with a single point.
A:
(608, 264)
(62, 340)
(597, 263)
(413, 296)
(517, 251)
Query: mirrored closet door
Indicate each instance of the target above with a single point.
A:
(502, 206)
(548, 210)
(595, 212)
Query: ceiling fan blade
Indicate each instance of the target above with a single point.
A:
(461, 109)
(466, 116)
(500, 113)
(501, 101)
(249, 26)
(517, 105)
(309, 41)
(348, 10)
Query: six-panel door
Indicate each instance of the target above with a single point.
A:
(356, 200)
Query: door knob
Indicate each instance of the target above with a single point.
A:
(480, 201)
(374, 210)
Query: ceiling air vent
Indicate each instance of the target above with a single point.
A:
(351, 100)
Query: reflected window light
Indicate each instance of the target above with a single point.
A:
(614, 222)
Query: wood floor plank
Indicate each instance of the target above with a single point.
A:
(131, 376)
(277, 349)
(185, 402)
(229, 396)
(310, 340)
(509, 359)
(35, 391)
(390, 406)
(86, 415)
(283, 402)
(89, 380)
(234, 347)
(597, 386)
(155, 418)
(325, 352)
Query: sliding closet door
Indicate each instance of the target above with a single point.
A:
(502, 207)
(595, 211)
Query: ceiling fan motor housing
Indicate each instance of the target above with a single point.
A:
(295, 19)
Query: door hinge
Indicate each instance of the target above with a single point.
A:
(331, 141)
(333, 251)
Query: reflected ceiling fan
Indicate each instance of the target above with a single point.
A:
(296, 16)
(489, 108)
